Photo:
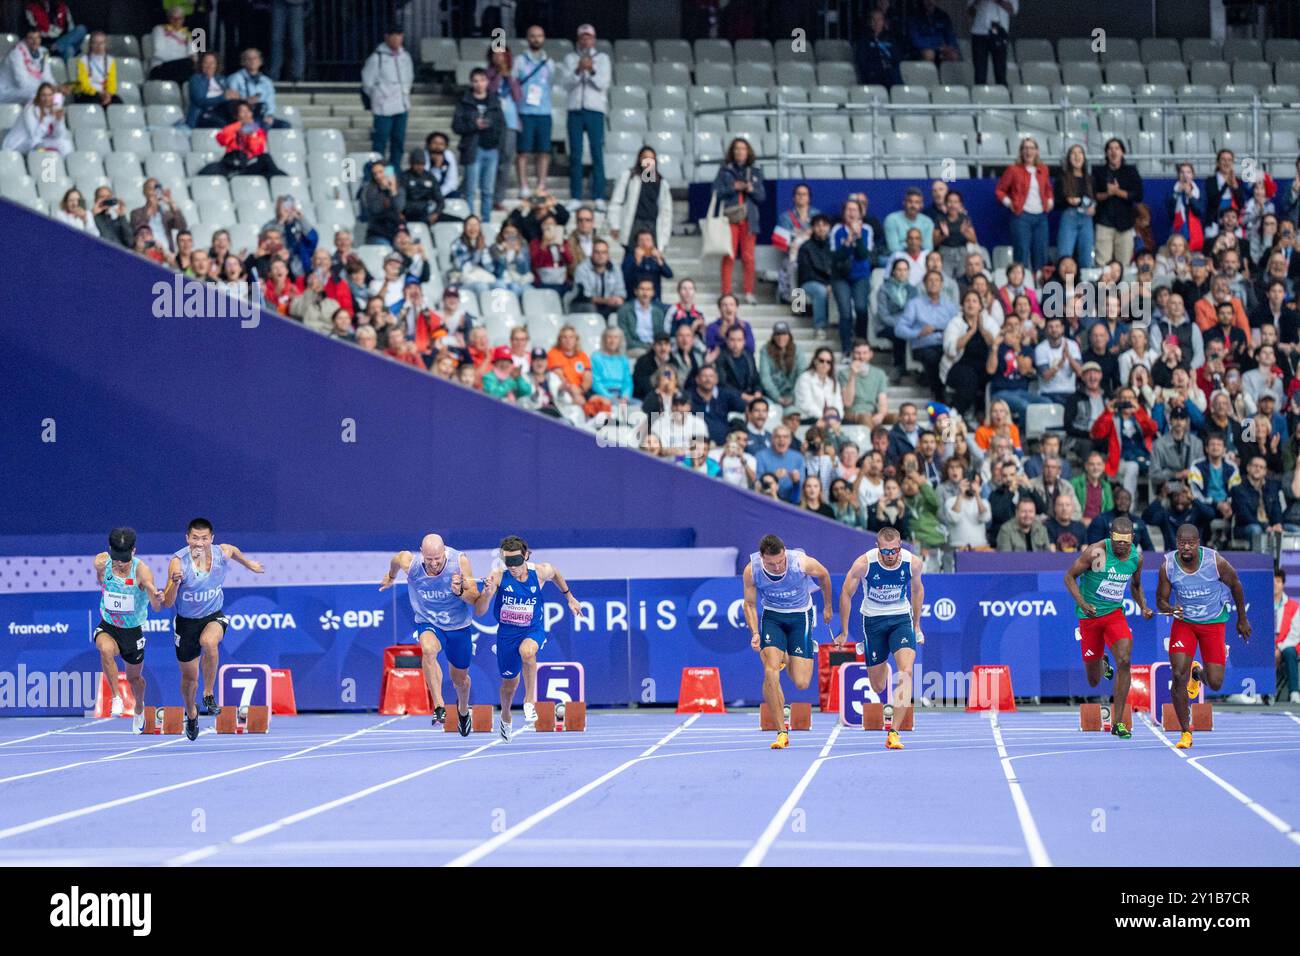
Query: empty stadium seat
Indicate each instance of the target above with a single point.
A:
(754, 51)
(1154, 49)
(1040, 74)
(674, 51)
(712, 51)
(1075, 50)
(633, 51)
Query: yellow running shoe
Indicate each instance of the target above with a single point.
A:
(782, 740)
(892, 742)
(1194, 682)
(1185, 741)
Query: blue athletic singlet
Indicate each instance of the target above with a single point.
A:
(123, 602)
(1204, 598)
(885, 591)
(201, 592)
(515, 606)
(792, 591)
(431, 595)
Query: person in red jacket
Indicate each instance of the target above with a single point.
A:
(245, 144)
(1287, 619)
(1127, 430)
(1026, 189)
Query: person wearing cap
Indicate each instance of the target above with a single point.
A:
(386, 80)
(544, 384)
(586, 78)
(1197, 284)
(779, 366)
(504, 380)
(424, 198)
(1174, 452)
(125, 584)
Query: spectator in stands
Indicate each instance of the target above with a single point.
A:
(504, 380)
(786, 465)
(481, 123)
(877, 53)
(583, 238)
(965, 355)
(184, 249)
(1099, 353)
(1197, 284)
(145, 245)
(962, 508)
(889, 510)
(26, 67)
(279, 290)
(922, 325)
(542, 397)
(53, 21)
(300, 236)
(367, 338)
(245, 143)
(1064, 529)
(1207, 309)
(1175, 509)
(1059, 363)
(534, 73)
(390, 287)
(898, 223)
(424, 198)
(288, 16)
(1223, 190)
(1026, 189)
(511, 263)
(714, 403)
(586, 77)
(736, 366)
(501, 82)
(1276, 301)
(1050, 484)
(531, 214)
(793, 229)
(210, 95)
(1139, 354)
(550, 258)
(998, 424)
(1099, 527)
(1286, 622)
(312, 306)
(233, 270)
(954, 234)
(642, 200)
(642, 317)
(598, 286)
(844, 507)
(573, 364)
(811, 498)
(1174, 452)
(736, 464)
(1010, 368)
(739, 188)
(471, 259)
(1213, 477)
(160, 213)
(780, 365)
(990, 37)
(72, 212)
(41, 126)
(664, 384)
(256, 88)
(931, 34)
(815, 272)
(1265, 378)
(851, 244)
(866, 400)
(679, 429)
(715, 334)
(1185, 207)
(1117, 187)
(697, 459)
(658, 356)
(110, 219)
(1176, 329)
(817, 388)
(1128, 431)
(1025, 532)
(644, 260)
(95, 76)
(442, 166)
(1091, 487)
(173, 53)
(386, 80)
(684, 311)
(892, 298)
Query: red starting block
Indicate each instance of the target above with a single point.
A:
(1201, 719)
(164, 720)
(282, 701)
(990, 689)
(401, 688)
(244, 720)
(1097, 717)
(873, 717)
(800, 717)
(480, 718)
(701, 691)
(563, 716)
(104, 697)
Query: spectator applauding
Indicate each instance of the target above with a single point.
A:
(245, 143)
(587, 76)
(386, 82)
(41, 125)
(1117, 188)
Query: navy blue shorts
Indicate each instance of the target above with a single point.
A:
(509, 663)
(887, 635)
(790, 631)
(535, 137)
(459, 644)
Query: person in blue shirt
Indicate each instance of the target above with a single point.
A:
(211, 98)
(922, 324)
(535, 74)
(852, 243)
(611, 373)
(783, 463)
(256, 88)
(877, 53)
(931, 34)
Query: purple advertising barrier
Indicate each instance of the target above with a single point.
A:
(995, 562)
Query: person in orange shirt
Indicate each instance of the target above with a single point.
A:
(999, 423)
(573, 364)
(1207, 307)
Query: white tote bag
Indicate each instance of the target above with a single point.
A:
(716, 232)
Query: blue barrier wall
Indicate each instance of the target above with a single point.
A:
(640, 636)
(155, 420)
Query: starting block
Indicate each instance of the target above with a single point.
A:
(560, 716)
(164, 720)
(873, 717)
(244, 720)
(1097, 717)
(480, 719)
(1201, 718)
(800, 717)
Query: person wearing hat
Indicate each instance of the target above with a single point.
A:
(424, 199)
(542, 383)
(780, 365)
(1197, 285)
(586, 78)
(504, 380)
(386, 80)
(1174, 452)
(125, 583)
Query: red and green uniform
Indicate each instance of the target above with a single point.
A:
(1104, 590)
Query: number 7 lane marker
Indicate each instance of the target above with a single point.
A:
(158, 791)
(523, 826)
(774, 826)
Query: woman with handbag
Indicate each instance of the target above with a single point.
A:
(738, 189)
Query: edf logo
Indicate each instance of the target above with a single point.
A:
(331, 621)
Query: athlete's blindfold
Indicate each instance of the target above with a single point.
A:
(1115, 536)
(514, 560)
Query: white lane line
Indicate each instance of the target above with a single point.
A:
(1292, 716)
(49, 733)
(104, 759)
(1037, 851)
(504, 837)
(774, 826)
(247, 836)
(157, 791)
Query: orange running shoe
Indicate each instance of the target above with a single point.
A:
(1194, 682)
(1185, 741)
(782, 740)
(892, 741)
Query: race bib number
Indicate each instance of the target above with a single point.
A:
(1111, 590)
(119, 603)
(533, 95)
(521, 614)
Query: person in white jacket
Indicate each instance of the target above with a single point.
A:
(24, 68)
(40, 125)
(817, 389)
(174, 56)
(586, 77)
(642, 199)
(72, 212)
(386, 80)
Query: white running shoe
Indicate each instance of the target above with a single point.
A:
(506, 729)
(1295, 696)
(117, 707)
(137, 723)
(530, 712)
